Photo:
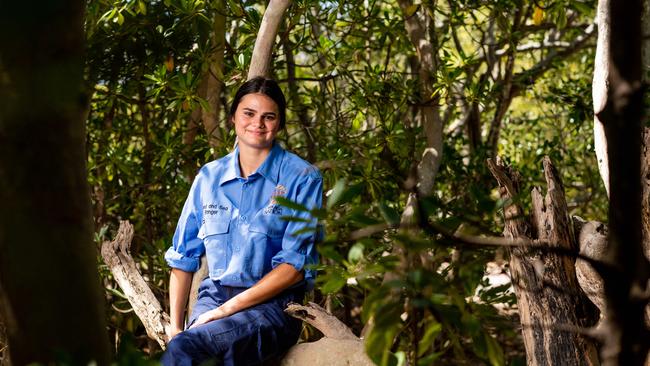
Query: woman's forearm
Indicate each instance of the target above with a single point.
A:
(276, 281)
(179, 288)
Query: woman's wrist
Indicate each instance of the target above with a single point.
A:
(226, 309)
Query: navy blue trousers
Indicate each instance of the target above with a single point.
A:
(248, 337)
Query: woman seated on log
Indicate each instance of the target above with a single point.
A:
(256, 259)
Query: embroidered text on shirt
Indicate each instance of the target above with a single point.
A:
(214, 209)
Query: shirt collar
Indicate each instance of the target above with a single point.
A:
(232, 167)
(270, 168)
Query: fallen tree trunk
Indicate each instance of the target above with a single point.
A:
(552, 307)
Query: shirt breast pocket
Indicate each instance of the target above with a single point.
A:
(214, 234)
(266, 233)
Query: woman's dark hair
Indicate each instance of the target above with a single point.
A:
(268, 87)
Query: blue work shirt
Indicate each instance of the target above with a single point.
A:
(237, 224)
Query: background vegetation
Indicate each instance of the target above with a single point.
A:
(510, 78)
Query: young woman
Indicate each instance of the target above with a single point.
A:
(257, 260)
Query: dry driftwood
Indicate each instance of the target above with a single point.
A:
(116, 255)
(339, 346)
(327, 352)
(320, 319)
(592, 237)
(545, 283)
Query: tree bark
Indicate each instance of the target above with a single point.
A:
(294, 97)
(320, 319)
(551, 305)
(261, 59)
(626, 341)
(592, 239)
(429, 108)
(645, 143)
(117, 256)
(5, 358)
(214, 77)
(645, 191)
(48, 267)
(600, 88)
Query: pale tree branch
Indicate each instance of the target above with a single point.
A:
(429, 111)
(117, 256)
(599, 89)
(261, 59)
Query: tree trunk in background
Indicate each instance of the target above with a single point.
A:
(261, 58)
(4, 342)
(429, 109)
(294, 99)
(626, 339)
(600, 88)
(645, 147)
(48, 267)
(548, 294)
(214, 77)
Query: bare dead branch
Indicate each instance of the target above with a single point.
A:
(320, 319)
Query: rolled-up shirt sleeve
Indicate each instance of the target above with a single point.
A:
(298, 243)
(187, 248)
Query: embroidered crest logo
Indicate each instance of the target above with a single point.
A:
(273, 207)
(279, 190)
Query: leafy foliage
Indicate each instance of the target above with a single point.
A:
(351, 79)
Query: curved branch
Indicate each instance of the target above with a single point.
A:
(261, 59)
(320, 319)
(118, 258)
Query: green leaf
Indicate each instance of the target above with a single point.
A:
(582, 7)
(304, 230)
(380, 340)
(119, 19)
(410, 10)
(319, 213)
(142, 7)
(494, 351)
(283, 201)
(390, 215)
(355, 253)
(294, 219)
(337, 193)
(330, 252)
(333, 284)
(432, 331)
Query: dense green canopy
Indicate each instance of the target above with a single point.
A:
(507, 77)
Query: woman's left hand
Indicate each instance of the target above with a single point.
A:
(209, 316)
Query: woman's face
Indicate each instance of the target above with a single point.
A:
(256, 121)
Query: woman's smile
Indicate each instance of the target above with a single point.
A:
(256, 121)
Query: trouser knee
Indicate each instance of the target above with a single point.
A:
(180, 352)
